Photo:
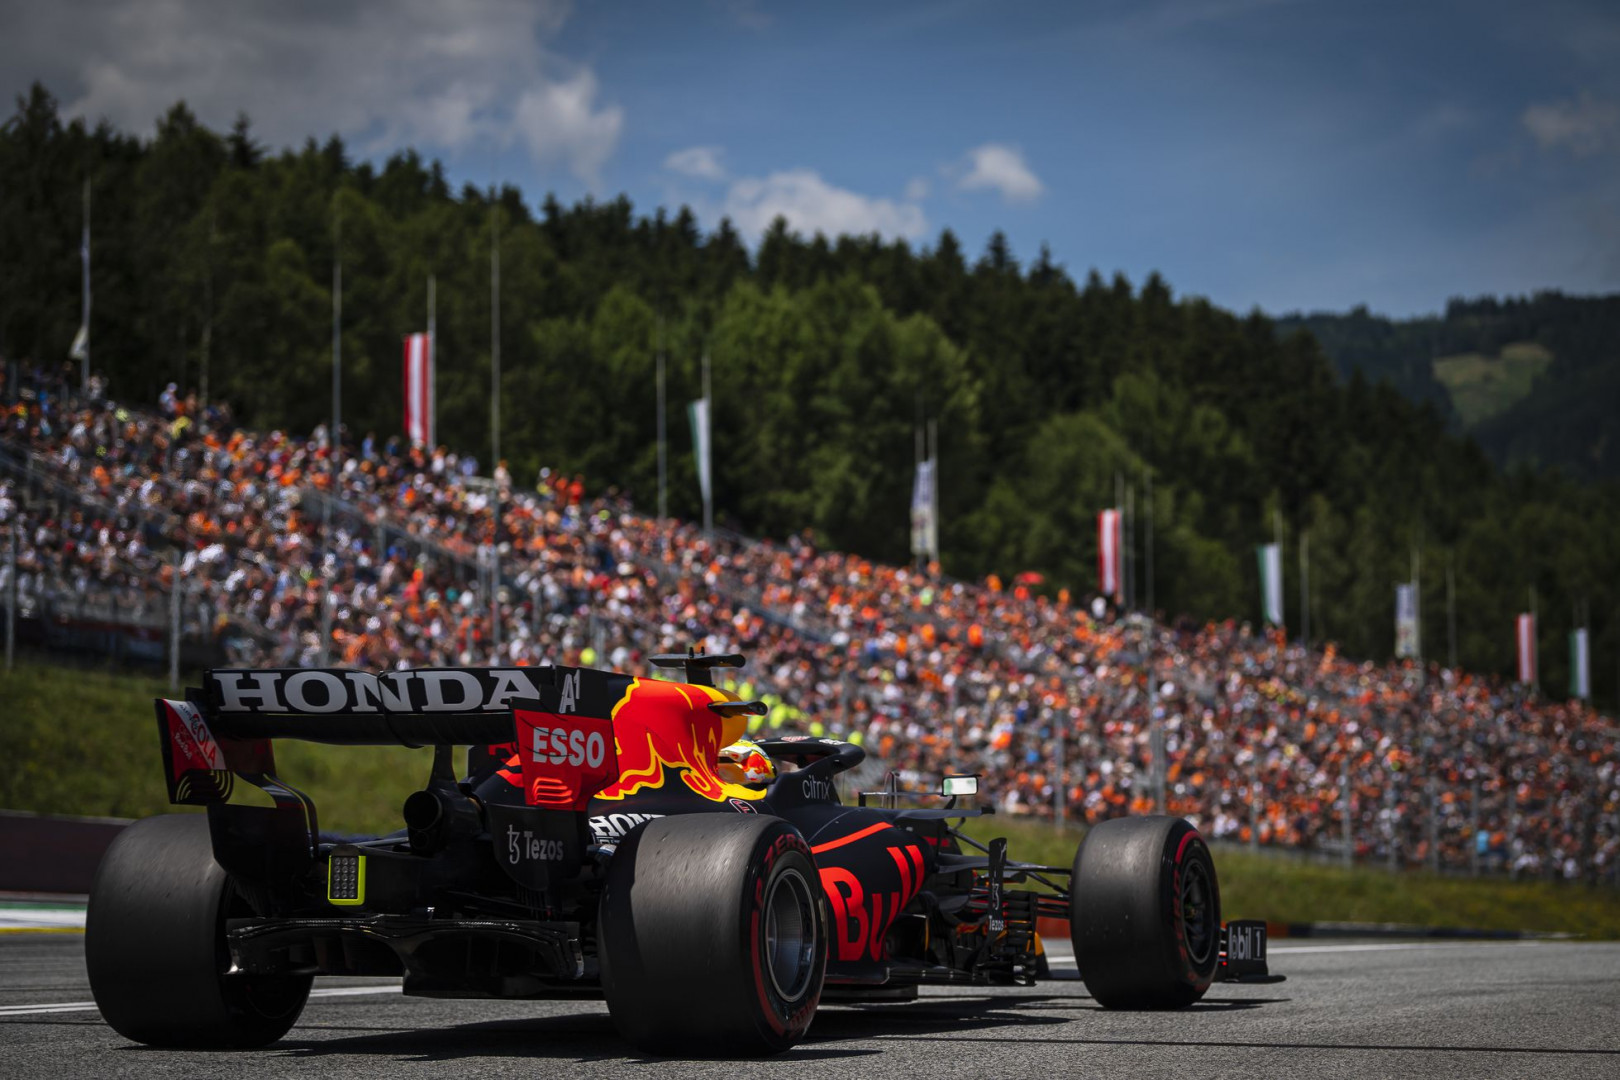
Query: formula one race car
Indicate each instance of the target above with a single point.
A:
(596, 849)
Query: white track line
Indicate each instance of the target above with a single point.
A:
(1279, 950)
(90, 1006)
(1053, 954)
(41, 919)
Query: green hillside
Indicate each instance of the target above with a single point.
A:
(1485, 386)
(1533, 379)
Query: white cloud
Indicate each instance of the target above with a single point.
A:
(812, 205)
(698, 162)
(999, 167)
(917, 189)
(1584, 126)
(439, 74)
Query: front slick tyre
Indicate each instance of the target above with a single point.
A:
(713, 936)
(154, 945)
(1145, 913)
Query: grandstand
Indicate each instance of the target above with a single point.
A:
(1067, 712)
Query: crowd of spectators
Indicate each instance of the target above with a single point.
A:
(394, 555)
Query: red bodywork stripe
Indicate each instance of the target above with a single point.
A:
(851, 838)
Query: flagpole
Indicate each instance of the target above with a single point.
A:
(1277, 530)
(663, 459)
(84, 316)
(1535, 645)
(1451, 612)
(708, 423)
(495, 420)
(208, 308)
(1305, 587)
(1147, 526)
(919, 539)
(1417, 604)
(432, 347)
(1130, 547)
(933, 491)
(332, 441)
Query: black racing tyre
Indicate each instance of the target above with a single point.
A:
(713, 936)
(154, 945)
(1145, 913)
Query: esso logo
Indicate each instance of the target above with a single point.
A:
(568, 746)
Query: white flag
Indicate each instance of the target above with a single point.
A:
(1110, 577)
(81, 344)
(1580, 665)
(698, 412)
(1271, 582)
(1406, 621)
(924, 533)
(419, 389)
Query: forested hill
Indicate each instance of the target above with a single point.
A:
(825, 352)
(1535, 379)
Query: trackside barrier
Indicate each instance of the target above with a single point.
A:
(51, 853)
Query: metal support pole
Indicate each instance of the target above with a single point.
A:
(11, 597)
(1535, 645)
(1451, 615)
(495, 427)
(1305, 587)
(1473, 828)
(1156, 737)
(1130, 545)
(1434, 827)
(933, 490)
(334, 443)
(708, 503)
(1344, 796)
(495, 596)
(432, 350)
(1254, 803)
(1060, 795)
(1417, 602)
(1147, 524)
(1282, 603)
(1394, 853)
(84, 355)
(663, 461)
(174, 627)
(1513, 827)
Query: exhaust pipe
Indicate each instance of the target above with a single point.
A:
(436, 816)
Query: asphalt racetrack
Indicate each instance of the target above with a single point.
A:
(1347, 1009)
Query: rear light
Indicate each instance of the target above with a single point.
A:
(346, 877)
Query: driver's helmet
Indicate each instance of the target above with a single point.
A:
(744, 762)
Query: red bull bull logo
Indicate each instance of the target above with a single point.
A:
(661, 726)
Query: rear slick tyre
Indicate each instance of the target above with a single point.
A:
(154, 945)
(1145, 913)
(713, 936)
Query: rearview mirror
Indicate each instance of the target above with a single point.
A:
(952, 786)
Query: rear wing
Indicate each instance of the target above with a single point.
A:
(223, 730)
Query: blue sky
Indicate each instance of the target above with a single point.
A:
(1285, 154)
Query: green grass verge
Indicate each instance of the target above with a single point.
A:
(1483, 386)
(86, 742)
(1282, 889)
